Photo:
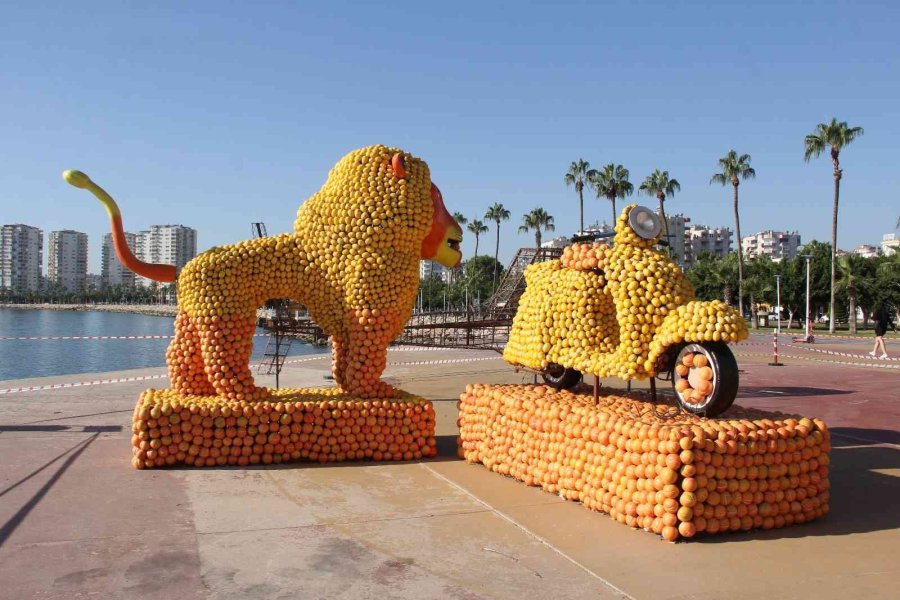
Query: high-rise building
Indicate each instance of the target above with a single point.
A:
(112, 272)
(677, 226)
(777, 245)
(21, 257)
(165, 244)
(430, 268)
(700, 238)
(67, 258)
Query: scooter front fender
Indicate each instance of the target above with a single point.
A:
(696, 322)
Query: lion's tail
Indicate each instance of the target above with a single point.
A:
(157, 272)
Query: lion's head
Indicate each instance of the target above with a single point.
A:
(383, 198)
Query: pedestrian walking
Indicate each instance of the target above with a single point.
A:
(882, 320)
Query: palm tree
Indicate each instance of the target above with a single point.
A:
(477, 228)
(580, 173)
(837, 135)
(496, 213)
(611, 182)
(853, 280)
(537, 219)
(733, 169)
(658, 184)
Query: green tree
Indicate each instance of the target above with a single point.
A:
(658, 184)
(579, 174)
(854, 281)
(497, 213)
(611, 182)
(477, 228)
(837, 135)
(760, 285)
(733, 169)
(475, 284)
(536, 220)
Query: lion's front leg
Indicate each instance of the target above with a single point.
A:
(370, 333)
(339, 358)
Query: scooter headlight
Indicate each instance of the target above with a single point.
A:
(644, 222)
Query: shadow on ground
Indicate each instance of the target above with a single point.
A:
(769, 391)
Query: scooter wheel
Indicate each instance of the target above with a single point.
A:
(561, 377)
(705, 378)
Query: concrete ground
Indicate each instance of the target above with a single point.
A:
(77, 521)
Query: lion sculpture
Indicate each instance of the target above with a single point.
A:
(353, 260)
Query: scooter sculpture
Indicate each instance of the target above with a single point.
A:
(626, 311)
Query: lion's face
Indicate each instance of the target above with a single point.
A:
(442, 242)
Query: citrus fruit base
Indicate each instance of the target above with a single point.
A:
(647, 464)
(320, 425)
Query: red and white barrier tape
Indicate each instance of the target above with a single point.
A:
(847, 354)
(829, 362)
(60, 386)
(102, 337)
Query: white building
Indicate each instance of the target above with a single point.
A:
(165, 244)
(677, 225)
(67, 258)
(21, 257)
(777, 245)
(890, 243)
(430, 268)
(866, 251)
(700, 238)
(112, 272)
(558, 242)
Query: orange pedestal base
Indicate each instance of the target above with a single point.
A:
(649, 465)
(321, 425)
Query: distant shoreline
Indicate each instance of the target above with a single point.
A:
(154, 310)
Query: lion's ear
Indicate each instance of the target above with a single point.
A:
(398, 163)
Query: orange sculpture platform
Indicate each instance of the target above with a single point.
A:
(321, 425)
(648, 465)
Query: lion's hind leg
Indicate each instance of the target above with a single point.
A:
(185, 360)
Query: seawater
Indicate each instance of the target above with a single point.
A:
(20, 359)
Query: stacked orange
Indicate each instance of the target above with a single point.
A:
(320, 425)
(648, 465)
(584, 257)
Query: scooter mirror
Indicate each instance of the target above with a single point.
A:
(644, 222)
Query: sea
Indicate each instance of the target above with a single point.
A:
(34, 357)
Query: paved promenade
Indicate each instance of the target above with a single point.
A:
(76, 521)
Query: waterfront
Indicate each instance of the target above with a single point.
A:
(20, 359)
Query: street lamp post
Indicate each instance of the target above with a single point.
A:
(778, 299)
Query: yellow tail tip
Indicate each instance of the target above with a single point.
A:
(76, 178)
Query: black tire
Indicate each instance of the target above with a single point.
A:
(561, 377)
(725, 379)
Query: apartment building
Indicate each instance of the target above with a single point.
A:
(21, 257)
(700, 238)
(67, 259)
(777, 245)
(165, 244)
(112, 272)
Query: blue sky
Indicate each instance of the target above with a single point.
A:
(217, 114)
